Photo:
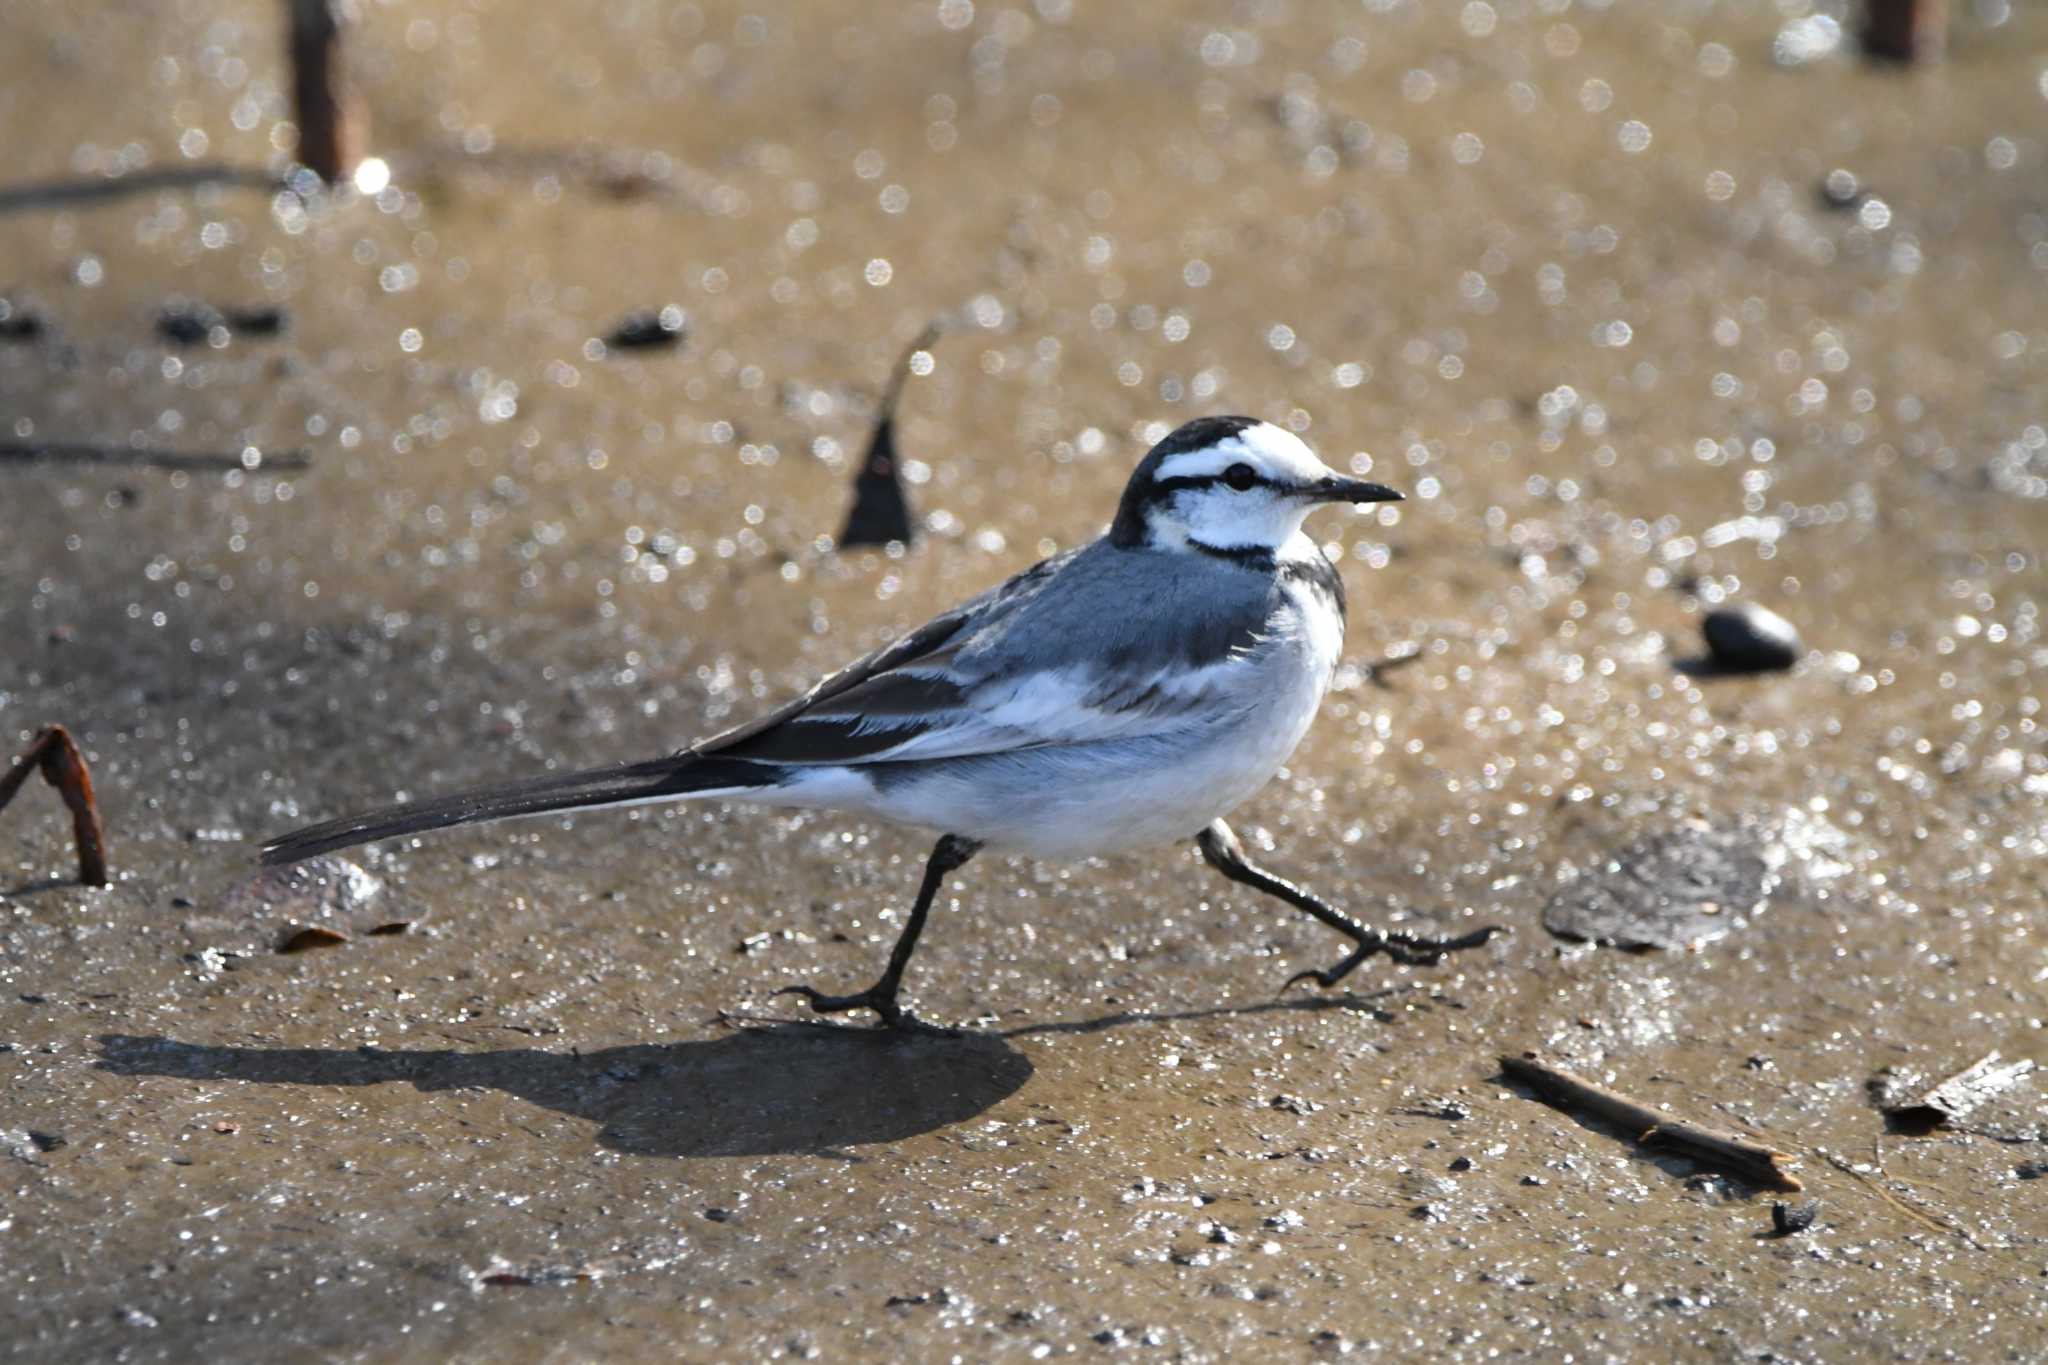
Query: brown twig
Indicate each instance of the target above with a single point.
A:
(1376, 671)
(78, 452)
(333, 127)
(1905, 30)
(57, 755)
(1877, 1185)
(1653, 1127)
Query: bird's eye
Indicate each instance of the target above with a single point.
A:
(1240, 476)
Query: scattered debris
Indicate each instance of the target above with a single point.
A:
(1789, 1220)
(248, 460)
(1747, 638)
(319, 903)
(26, 1144)
(1376, 672)
(63, 767)
(1653, 1128)
(267, 320)
(1450, 1111)
(303, 940)
(666, 326)
(1955, 1097)
(881, 509)
(1671, 890)
(502, 1274)
(188, 323)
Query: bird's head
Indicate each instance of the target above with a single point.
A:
(1230, 484)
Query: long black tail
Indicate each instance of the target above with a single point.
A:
(657, 779)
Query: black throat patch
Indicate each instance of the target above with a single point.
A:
(1316, 573)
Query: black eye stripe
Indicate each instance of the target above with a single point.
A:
(1180, 481)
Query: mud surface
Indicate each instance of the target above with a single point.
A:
(1581, 280)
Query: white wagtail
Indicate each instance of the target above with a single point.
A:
(1126, 693)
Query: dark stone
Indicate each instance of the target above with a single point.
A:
(1750, 639)
(1789, 1219)
(667, 326)
(268, 321)
(18, 322)
(187, 323)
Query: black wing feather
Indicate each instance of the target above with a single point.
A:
(644, 781)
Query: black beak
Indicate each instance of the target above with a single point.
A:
(1334, 489)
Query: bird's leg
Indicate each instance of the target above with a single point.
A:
(1226, 854)
(948, 855)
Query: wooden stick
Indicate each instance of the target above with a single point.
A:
(333, 128)
(1905, 30)
(54, 751)
(78, 452)
(1653, 1127)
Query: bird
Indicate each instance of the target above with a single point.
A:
(1127, 693)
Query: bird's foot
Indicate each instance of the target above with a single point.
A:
(1410, 950)
(876, 997)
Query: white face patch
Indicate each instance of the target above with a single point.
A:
(1272, 452)
(1262, 517)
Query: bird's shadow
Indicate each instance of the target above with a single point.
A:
(757, 1091)
(767, 1087)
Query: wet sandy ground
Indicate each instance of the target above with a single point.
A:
(1569, 275)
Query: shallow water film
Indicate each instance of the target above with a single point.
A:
(531, 442)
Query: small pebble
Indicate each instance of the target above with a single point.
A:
(189, 323)
(1787, 1219)
(267, 321)
(1750, 639)
(663, 327)
(18, 322)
